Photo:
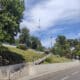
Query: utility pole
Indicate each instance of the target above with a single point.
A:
(39, 23)
(51, 41)
(38, 29)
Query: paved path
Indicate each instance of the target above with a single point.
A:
(53, 71)
(68, 74)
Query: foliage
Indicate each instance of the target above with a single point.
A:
(35, 42)
(16, 42)
(11, 55)
(28, 55)
(78, 53)
(8, 57)
(61, 46)
(30, 41)
(41, 48)
(24, 36)
(10, 16)
(73, 42)
(56, 59)
(76, 45)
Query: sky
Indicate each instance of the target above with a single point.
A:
(50, 18)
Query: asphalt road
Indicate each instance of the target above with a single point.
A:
(69, 74)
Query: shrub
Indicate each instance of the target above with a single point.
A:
(56, 59)
(22, 46)
(78, 53)
(49, 60)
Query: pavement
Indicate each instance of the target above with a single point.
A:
(68, 74)
(58, 71)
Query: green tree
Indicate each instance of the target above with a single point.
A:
(10, 16)
(30, 41)
(61, 39)
(71, 42)
(24, 36)
(35, 42)
(74, 43)
(61, 46)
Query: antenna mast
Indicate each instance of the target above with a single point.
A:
(39, 24)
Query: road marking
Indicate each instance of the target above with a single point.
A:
(65, 78)
(75, 73)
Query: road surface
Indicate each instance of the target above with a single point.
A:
(69, 74)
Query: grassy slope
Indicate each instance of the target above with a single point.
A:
(56, 59)
(15, 55)
(28, 55)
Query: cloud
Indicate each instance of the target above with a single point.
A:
(79, 34)
(48, 43)
(74, 36)
(50, 13)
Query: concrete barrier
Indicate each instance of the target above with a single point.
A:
(19, 71)
(14, 72)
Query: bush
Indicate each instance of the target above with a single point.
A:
(78, 53)
(57, 59)
(22, 46)
(49, 60)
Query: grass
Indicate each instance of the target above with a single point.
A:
(15, 55)
(28, 55)
(56, 59)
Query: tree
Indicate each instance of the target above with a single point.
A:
(35, 42)
(61, 39)
(24, 36)
(61, 46)
(71, 42)
(10, 16)
(74, 43)
(29, 41)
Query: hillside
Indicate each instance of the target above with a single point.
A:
(29, 55)
(12, 55)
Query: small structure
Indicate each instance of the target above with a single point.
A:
(47, 51)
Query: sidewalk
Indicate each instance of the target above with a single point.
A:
(49, 68)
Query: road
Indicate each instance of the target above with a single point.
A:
(68, 74)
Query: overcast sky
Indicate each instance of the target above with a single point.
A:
(57, 17)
